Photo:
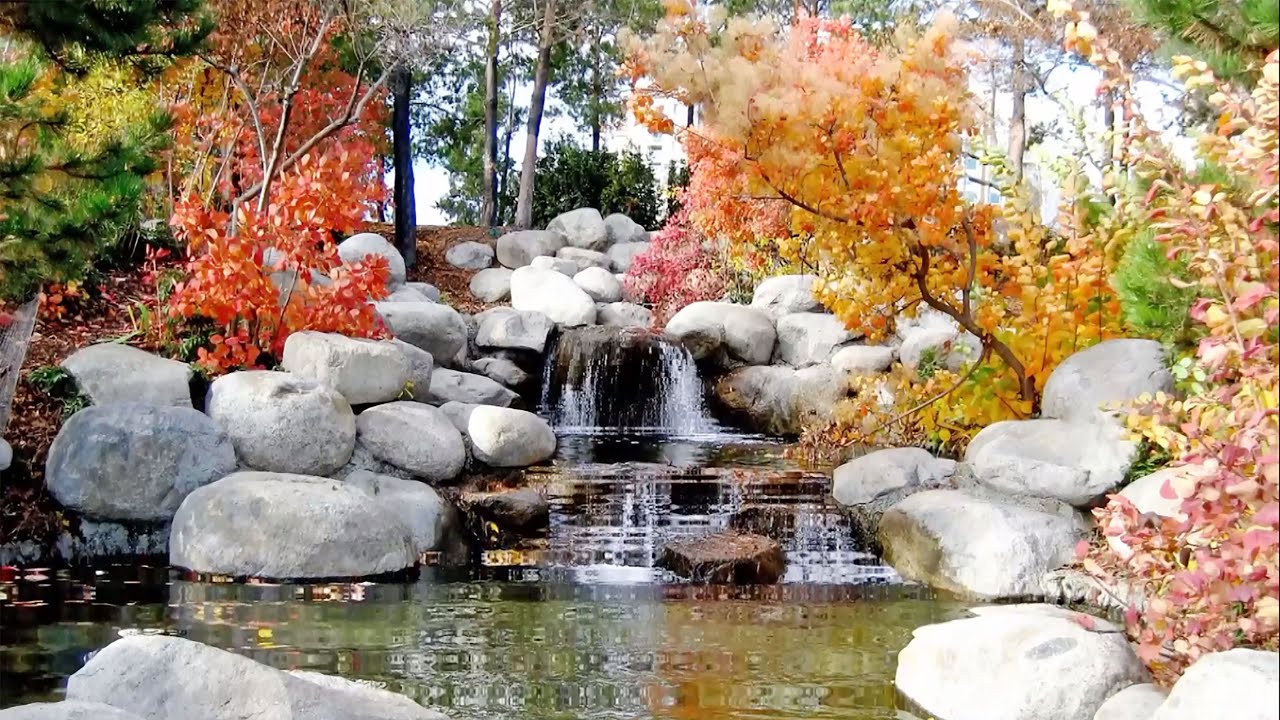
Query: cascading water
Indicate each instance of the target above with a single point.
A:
(609, 378)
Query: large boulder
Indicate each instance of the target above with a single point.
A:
(406, 294)
(355, 248)
(135, 461)
(864, 359)
(807, 338)
(1077, 463)
(583, 228)
(161, 676)
(421, 365)
(725, 557)
(564, 266)
(725, 330)
(599, 284)
(416, 504)
(66, 710)
(470, 255)
(1242, 684)
(459, 413)
(624, 314)
(502, 370)
(519, 248)
(976, 546)
(413, 437)
(553, 295)
(621, 229)
(583, 259)
(505, 328)
(1109, 373)
(503, 437)
(452, 385)
(438, 329)
(780, 400)
(1017, 662)
(785, 294)
(871, 484)
(1136, 702)
(625, 253)
(111, 372)
(431, 292)
(364, 371)
(491, 285)
(283, 423)
(281, 526)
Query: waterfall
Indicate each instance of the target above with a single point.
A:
(614, 378)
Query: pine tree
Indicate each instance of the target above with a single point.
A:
(59, 199)
(1232, 36)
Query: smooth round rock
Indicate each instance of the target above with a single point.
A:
(355, 248)
(504, 437)
(414, 437)
(469, 256)
(113, 372)
(364, 371)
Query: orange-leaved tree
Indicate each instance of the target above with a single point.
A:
(862, 147)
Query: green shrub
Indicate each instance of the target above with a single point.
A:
(571, 177)
(1151, 304)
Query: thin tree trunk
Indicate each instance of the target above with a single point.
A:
(489, 204)
(541, 75)
(688, 121)
(504, 170)
(406, 240)
(597, 91)
(1018, 118)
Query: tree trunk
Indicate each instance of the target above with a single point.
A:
(688, 120)
(1018, 118)
(597, 91)
(489, 204)
(541, 75)
(406, 240)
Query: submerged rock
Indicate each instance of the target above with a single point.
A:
(112, 372)
(522, 512)
(364, 371)
(355, 248)
(726, 557)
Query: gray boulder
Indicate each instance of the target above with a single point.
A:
(438, 329)
(1111, 372)
(583, 259)
(135, 461)
(583, 228)
(416, 504)
(976, 546)
(1077, 463)
(66, 710)
(564, 266)
(1147, 495)
(599, 284)
(503, 437)
(161, 676)
(1242, 683)
(780, 400)
(112, 372)
(355, 248)
(491, 285)
(459, 413)
(1018, 662)
(431, 292)
(364, 371)
(406, 294)
(469, 256)
(421, 365)
(6, 455)
(623, 254)
(621, 229)
(501, 370)
(726, 331)
(519, 248)
(413, 437)
(871, 484)
(938, 347)
(553, 295)
(281, 526)
(807, 338)
(452, 385)
(864, 359)
(283, 423)
(624, 314)
(785, 294)
(505, 328)
(1136, 702)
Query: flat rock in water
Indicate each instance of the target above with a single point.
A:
(726, 557)
(523, 511)
(470, 256)
(111, 372)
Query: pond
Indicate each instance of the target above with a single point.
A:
(577, 625)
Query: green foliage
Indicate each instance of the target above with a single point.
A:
(677, 181)
(1149, 458)
(571, 177)
(56, 383)
(1232, 36)
(1150, 303)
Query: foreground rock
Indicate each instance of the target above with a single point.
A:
(518, 249)
(416, 504)
(725, 331)
(785, 294)
(112, 372)
(66, 710)
(621, 229)
(521, 512)
(624, 314)
(503, 437)
(491, 285)
(413, 437)
(623, 254)
(454, 386)
(429, 291)
(1243, 683)
(134, 461)
(421, 366)
(1019, 662)
(505, 328)
(806, 339)
(281, 526)
(726, 557)
(976, 546)
(1147, 495)
(436, 328)
(1109, 373)
(501, 370)
(552, 294)
(279, 422)
(582, 228)
(160, 676)
(780, 400)
(469, 256)
(1136, 702)
(364, 371)
(355, 248)
(599, 284)
(871, 484)
(863, 359)
(1077, 463)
